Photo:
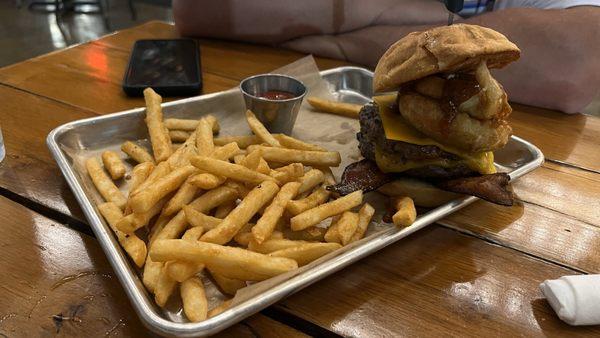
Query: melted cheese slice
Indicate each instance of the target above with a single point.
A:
(397, 129)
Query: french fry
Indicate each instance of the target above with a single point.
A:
(176, 146)
(224, 209)
(178, 135)
(198, 219)
(181, 157)
(136, 152)
(239, 159)
(158, 225)
(144, 200)
(134, 221)
(263, 167)
(226, 151)
(227, 285)
(204, 138)
(184, 195)
(306, 253)
(310, 180)
(252, 160)
(242, 213)
(165, 286)
(242, 141)
(329, 177)
(206, 181)
(365, 214)
(135, 247)
(293, 143)
(312, 234)
(273, 244)
(335, 107)
(191, 125)
(315, 215)
(288, 173)
(181, 270)
(306, 157)
(195, 304)
(213, 198)
(113, 164)
(159, 136)
(243, 238)
(139, 174)
(241, 189)
(259, 130)
(319, 196)
(230, 170)
(230, 262)
(151, 273)
(104, 184)
(406, 213)
(161, 170)
(219, 309)
(266, 223)
(341, 232)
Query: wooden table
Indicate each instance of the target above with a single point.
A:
(476, 272)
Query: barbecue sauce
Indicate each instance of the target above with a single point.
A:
(277, 95)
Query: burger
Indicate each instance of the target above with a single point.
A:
(442, 119)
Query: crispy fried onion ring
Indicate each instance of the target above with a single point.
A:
(463, 131)
(490, 102)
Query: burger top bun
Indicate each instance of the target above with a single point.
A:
(445, 49)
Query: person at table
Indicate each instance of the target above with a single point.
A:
(560, 59)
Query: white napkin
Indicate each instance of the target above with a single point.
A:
(575, 299)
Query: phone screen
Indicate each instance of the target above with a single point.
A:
(163, 63)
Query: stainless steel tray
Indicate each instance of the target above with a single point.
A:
(349, 84)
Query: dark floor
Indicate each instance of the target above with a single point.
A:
(25, 33)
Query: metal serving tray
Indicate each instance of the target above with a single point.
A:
(349, 84)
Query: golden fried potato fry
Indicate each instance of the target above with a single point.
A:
(178, 135)
(365, 214)
(191, 125)
(251, 160)
(207, 181)
(224, 209)
(263, 167)
(288, 173)
(239, 159)
(132, 244)
(230, 170)
(335, 107)
(230, 262)
(139, 174)
(104, 184)
(406, 214)
(181, 270)
(181, 157)
(227, 285)
(213, 198)
(311, 234)
(113, 164)
(306, 253)
(159, 135)
(134, 221)
(341, 232)
(184, 195)
(144, 200)
(266, 223)
(195, 304)
(226, 151)
(315, 215)
(242, 213)
(294, 143)
(242, 141)
(259, 130)
(273, 244)
(136, 152)
(310, 180)
(161, 170)
(198, 219)
(164, 287)
(319, 196)
(204, 138)
(151, 273)
(306, 157)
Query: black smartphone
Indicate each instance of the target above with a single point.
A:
(170, 67)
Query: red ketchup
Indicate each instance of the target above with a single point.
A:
(277, 95)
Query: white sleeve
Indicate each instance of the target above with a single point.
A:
(544, 4)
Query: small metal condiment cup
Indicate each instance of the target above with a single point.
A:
(278, 116)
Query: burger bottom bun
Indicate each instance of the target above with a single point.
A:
(464, 132)
(422, 193)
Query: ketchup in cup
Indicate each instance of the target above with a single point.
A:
(277, 95)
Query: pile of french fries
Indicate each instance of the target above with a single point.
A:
(236, 208)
